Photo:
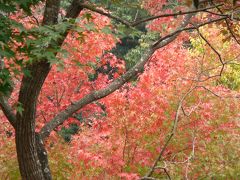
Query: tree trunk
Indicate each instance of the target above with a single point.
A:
(30, 148)
(29, 164)
(32, 156)
(43, 158)
(28, 158)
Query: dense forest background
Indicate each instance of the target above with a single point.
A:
(119, 89)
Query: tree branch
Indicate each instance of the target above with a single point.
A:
(8, 111)
(116, 84)
(135, 23)
(174, 14)
(172, 133)
(174, 128)
(6, 108)
(158, 43)
(74, 9)
(95, 9)
(214, 50)
(228, 26)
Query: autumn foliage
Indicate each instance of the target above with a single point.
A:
(120, 136)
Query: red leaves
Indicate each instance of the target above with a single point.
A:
(129, 176)
(138, 117)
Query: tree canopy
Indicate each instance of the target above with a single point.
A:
(119, 89)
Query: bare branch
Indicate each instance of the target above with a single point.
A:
(6, 108)
(217, 14)
(8, 111)
(164, 169)
(97, 10)
(215, 51)
(135, 23)
(157, 44)
(166, 172)
(191, 157)
(180, 13)
(210, 91)
(148, 178)
(231, 32)
(228, 26)
(172, 133)
(213, 68)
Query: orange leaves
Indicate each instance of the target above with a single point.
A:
(140, 116)
(121, 135)
(135, 120)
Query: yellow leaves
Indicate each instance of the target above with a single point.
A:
(231, 77)
(198, 46)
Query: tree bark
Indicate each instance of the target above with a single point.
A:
(43, 158)
(30, 148)
(28, 159)
(32, 156)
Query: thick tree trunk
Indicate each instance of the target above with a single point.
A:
(32, 156)
(29, 164)
(30, 148)
(28, 158)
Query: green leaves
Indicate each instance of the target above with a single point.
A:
(7, 35)
(9, 6)
(19, 108)
(231, 77)
(5, 81)
(42, 42)
(107, 30)
(90, 26)
(67, 133)
(134, 55)
(6, 7)
(87, 16)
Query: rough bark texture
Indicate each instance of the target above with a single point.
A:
(29, 164)
(32, 156)
(29, 146)
(43, 158)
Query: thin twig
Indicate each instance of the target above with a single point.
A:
(172, 133)
(228, 26)
(156, 44)
(190, 157)
(164, 169)
(215, 51)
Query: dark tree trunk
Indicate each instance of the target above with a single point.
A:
(32, 156)
(28, 158)
(30, 149)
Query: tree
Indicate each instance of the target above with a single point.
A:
(41, 52)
